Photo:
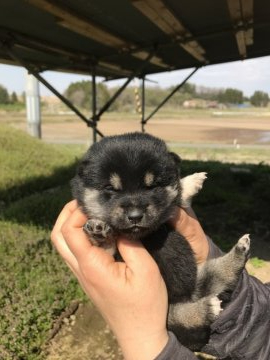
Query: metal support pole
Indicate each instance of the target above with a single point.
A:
(122, 88)
(94, 105)
(170, 95)
(52, 89)
(143, 104)
(33, 106)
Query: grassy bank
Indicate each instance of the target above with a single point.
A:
(34, 185)
(35, 284)
(229, 154)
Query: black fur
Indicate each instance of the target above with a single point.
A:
(130, 184)
(131, 156)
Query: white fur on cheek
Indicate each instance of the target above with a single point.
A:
(92, 205)
(172, 192)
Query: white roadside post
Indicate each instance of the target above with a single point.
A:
(33, 106)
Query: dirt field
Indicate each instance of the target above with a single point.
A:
(246, 130)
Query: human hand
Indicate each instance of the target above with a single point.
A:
(131, 295)
(187, 224)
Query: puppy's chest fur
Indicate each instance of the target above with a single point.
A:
(176, 262)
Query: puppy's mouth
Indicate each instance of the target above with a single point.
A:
(134, 229)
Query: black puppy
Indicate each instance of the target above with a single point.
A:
(130, 184)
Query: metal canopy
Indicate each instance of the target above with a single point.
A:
(115, 37)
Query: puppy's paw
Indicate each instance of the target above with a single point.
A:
(191, 185)
(97, 230)
(243, 245)
(214, 308)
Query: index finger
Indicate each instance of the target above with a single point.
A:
(62, 217)
(57, 236)
(75, 237)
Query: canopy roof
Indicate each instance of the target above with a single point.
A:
(114, 37)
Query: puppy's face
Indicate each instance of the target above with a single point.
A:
(129, 181)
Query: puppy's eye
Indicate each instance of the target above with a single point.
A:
(110, 188)
(151, 187)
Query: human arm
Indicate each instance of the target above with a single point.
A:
(131, 295)
(139, 322)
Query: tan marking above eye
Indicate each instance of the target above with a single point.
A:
(115, 181)
(149, 179)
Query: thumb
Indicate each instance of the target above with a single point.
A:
(135, 255)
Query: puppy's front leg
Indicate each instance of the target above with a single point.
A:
(100, 234)
(191, 185)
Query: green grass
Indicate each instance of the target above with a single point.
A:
(29, 165)
(232, 203)
(257, 263)
(35, 284)
(224, 155)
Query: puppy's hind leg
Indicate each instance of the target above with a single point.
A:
(190, 321)
(191, 185)
(194, 314)
(221, 274)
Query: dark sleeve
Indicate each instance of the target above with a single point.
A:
(214, 250)
(175, 351)
(242, 331)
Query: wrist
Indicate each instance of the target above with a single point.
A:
(144, 348)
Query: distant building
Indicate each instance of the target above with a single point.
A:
(202, 104)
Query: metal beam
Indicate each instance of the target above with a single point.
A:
(170, 95)
(162, 17)
(34, 72)
(94, 105)
(31, 43)
(83, 26)
(122, 88)
(241, 13)
(143, 104)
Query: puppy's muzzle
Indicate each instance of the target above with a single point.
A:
(135, 215)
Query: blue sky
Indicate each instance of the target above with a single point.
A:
(248, 76)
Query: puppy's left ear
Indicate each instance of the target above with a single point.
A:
(176, 158)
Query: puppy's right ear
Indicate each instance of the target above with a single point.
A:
(176, 158)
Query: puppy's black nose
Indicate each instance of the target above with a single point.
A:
(135, 215)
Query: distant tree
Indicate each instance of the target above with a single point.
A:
(231, 96)
(125, 101)
(80, 94)
(13, 98)
(22, 97)
(188, 88)
(4, 97)
(208, 93)
(259, 99)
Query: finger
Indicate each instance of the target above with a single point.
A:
(78, 242)
(62, 217)
(136, 257)
(57, 237)
(72, 231)
(188, 226)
